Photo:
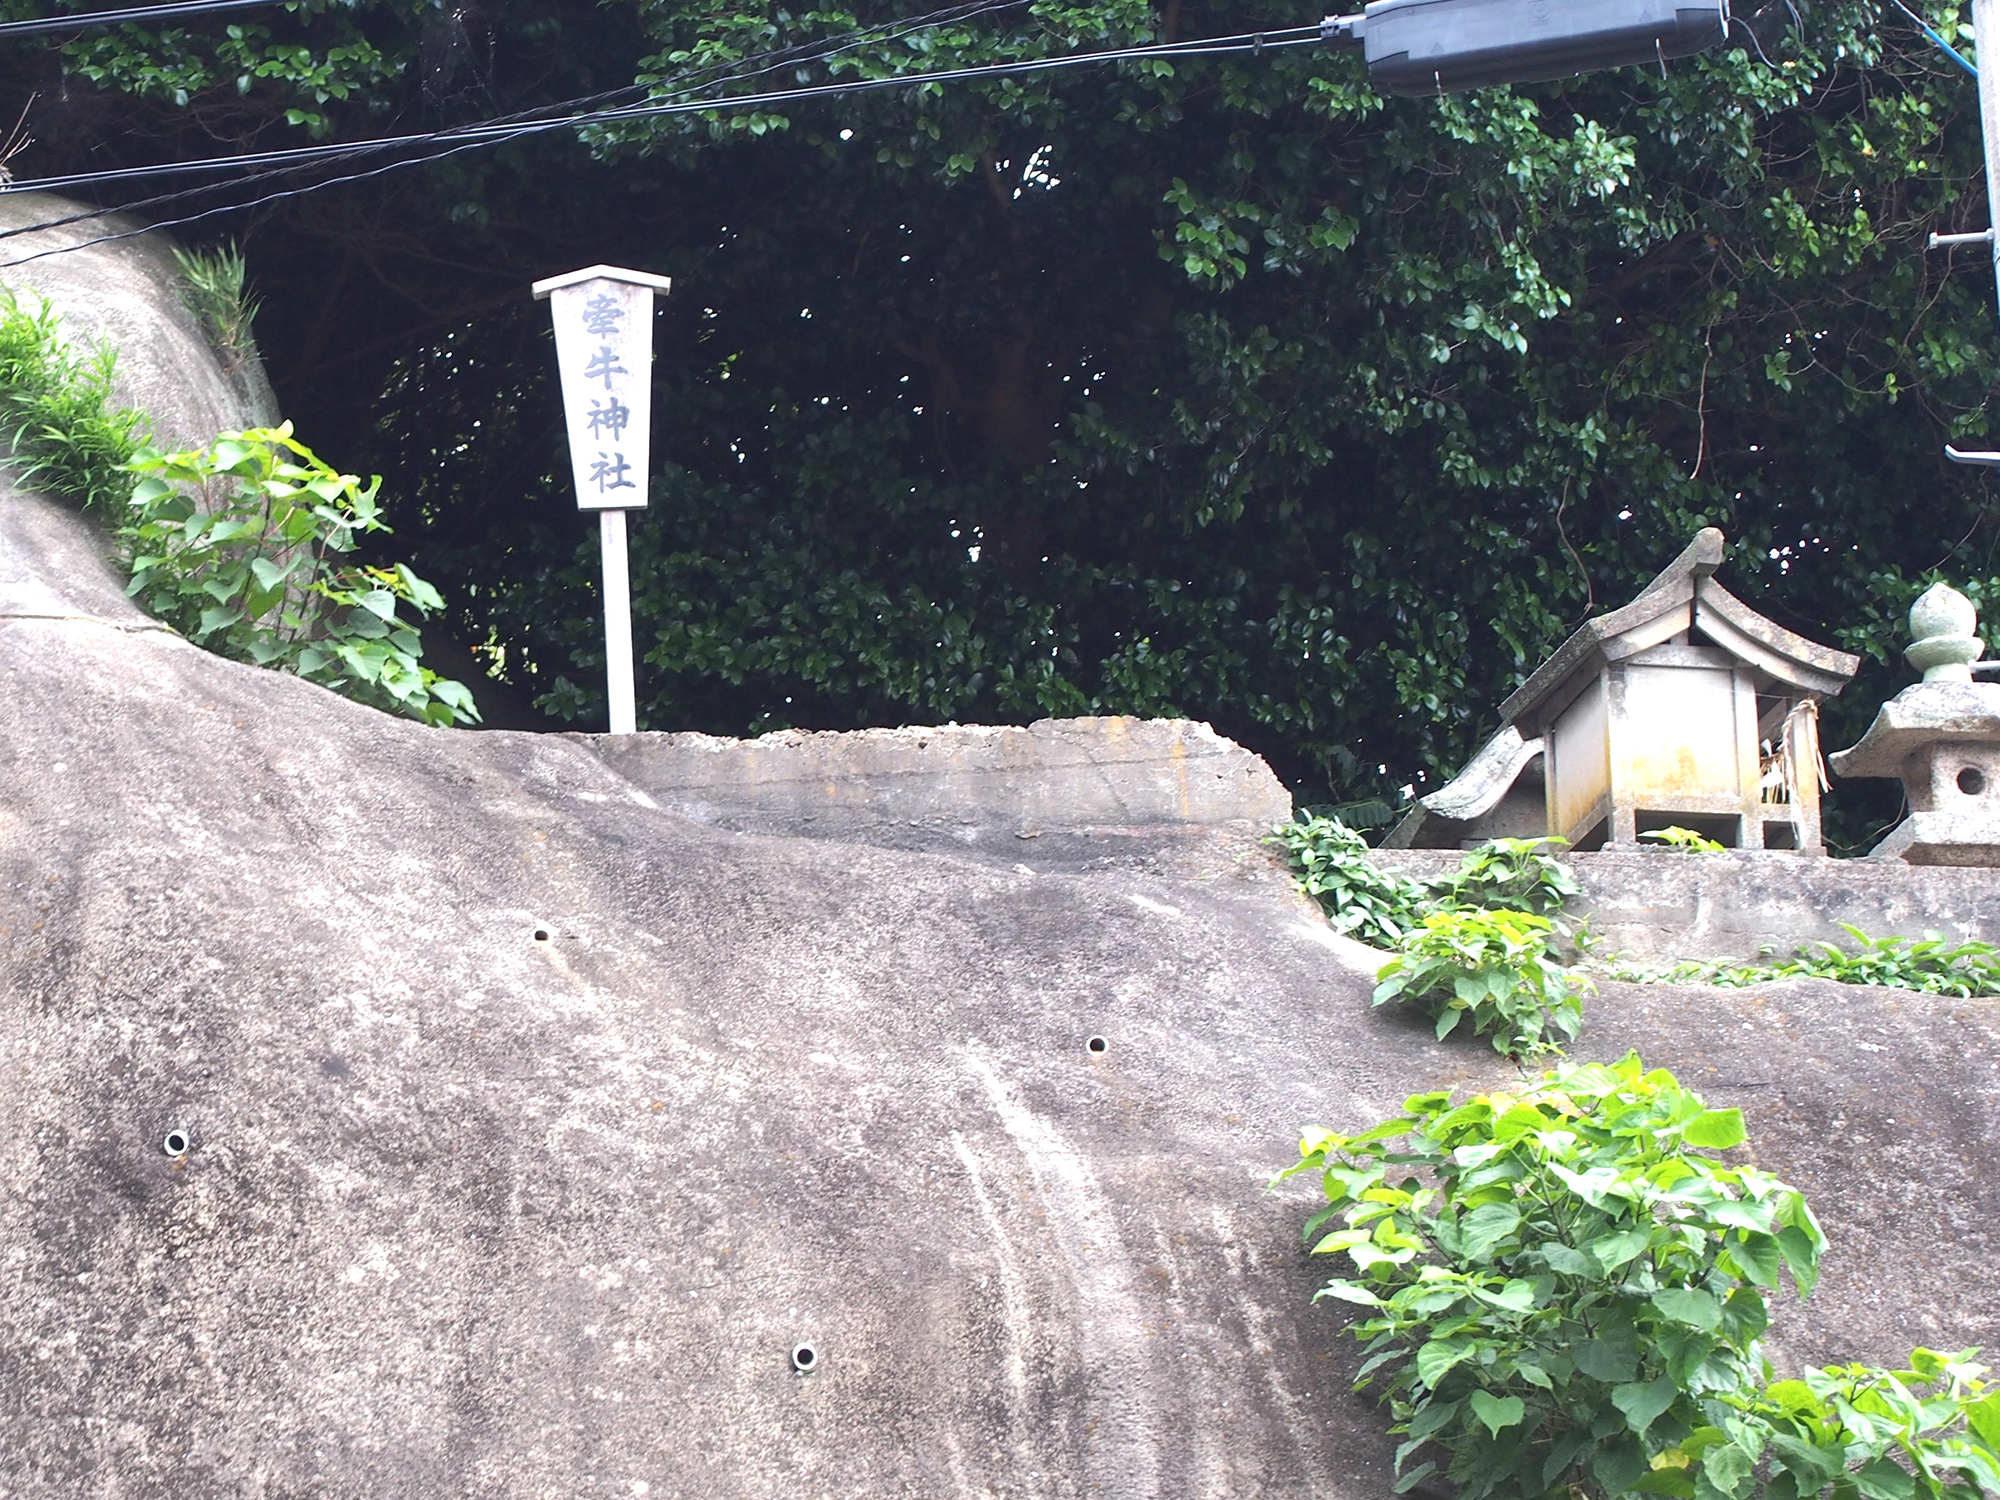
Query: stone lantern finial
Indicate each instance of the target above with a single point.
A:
(1943, 632)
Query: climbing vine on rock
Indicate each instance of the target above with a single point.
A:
(1335, 866)
(243, 547)
(1932, 963)
(1472, 946)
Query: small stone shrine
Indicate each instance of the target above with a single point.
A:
(1686, 708)
(1941, 738)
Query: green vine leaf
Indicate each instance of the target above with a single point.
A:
(1497, 1412)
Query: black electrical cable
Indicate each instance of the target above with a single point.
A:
(228, 208)
(1207, 47)
(506, 127)
(1736, 21)
(295, 158)
(772, 62)
(1246, 42)
(124, 17)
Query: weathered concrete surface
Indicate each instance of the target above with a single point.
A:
(55, 568)
(1058, 790)
(129, 292)
(1661, 904)
(470, 1212)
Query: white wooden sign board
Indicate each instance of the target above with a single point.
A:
(604, 352)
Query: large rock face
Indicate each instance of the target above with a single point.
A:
(115, 284)
(532, 1126)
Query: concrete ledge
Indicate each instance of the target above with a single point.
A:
(1666, 905)
(961, 783)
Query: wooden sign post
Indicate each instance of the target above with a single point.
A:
(604, 350)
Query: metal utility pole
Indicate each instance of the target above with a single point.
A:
(1985, 29)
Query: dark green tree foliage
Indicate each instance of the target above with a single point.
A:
(1222, 387)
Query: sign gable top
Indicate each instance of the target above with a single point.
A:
(601, 273)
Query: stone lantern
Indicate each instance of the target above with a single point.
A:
(1684, 708)
(1941, 738)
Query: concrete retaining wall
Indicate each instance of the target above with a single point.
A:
(1070, 792)
(1662, 904)
(959, 784)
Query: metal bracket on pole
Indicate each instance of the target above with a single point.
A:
(1946, 241)
(1341, 31)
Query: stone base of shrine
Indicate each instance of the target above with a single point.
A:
(1661, 904)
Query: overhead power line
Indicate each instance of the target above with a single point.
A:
(509, 126)
(736, 70)
(473, 137)
(124, 17)
(1208, 47)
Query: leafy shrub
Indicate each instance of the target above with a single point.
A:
(1377, 906)
(246, 569)
(216, 291)
(53, 406)
(1930, 1432)
(1359, 898)
(1380, 907)
(1565, 1276)
(1492, 967)
(1472, 943)
(1516, 874)
(1926, 963)
(1929, 964)
(235, 546)
(1362, 814)
(1686, 840)
(1563, 1294)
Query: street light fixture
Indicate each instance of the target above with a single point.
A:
(1439, 46)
